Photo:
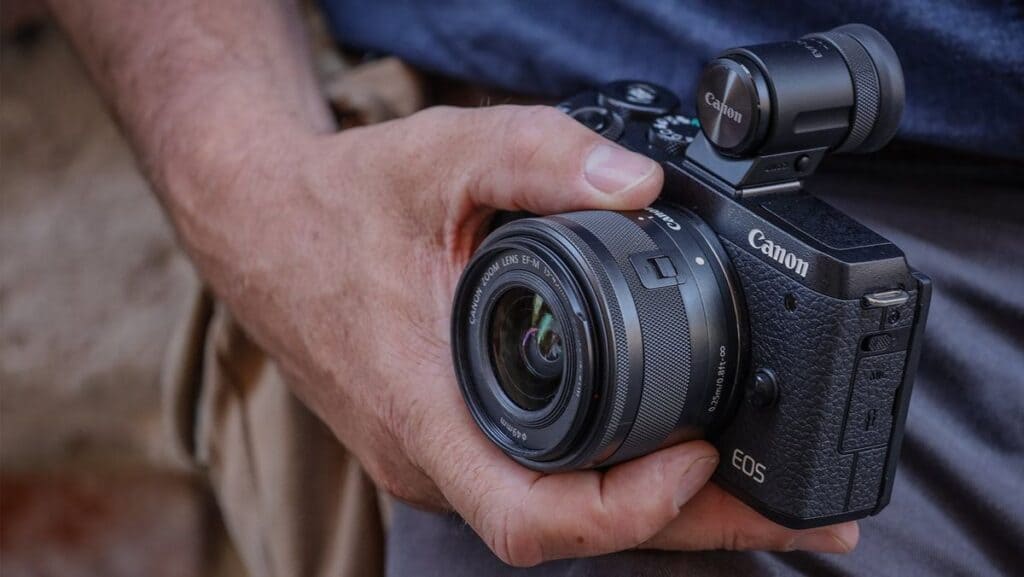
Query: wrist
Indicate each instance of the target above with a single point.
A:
(223, 185)
(206, 157)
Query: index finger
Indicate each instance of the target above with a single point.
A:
(526, 517)
(714, 519)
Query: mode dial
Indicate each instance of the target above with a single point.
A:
(600, 120)
(672, 133)
(637, 99)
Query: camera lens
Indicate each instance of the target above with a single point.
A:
(841, 89)
(526, 348)
(589, 338)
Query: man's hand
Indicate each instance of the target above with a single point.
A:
(349, 252)
(339, 254)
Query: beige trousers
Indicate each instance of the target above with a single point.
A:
(294, 501)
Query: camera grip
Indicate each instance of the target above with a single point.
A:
(817, 454)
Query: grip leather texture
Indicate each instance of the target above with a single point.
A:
(813, 350)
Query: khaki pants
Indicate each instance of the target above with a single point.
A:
(294, 501)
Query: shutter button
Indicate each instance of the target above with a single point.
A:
(600, 120)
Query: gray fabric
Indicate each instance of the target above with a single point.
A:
(957, 507)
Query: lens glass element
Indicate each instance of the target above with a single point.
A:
(526, 348)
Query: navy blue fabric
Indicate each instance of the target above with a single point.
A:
(964, 61)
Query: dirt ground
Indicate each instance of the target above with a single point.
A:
(91, 288)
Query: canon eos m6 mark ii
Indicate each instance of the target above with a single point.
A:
(738, 308)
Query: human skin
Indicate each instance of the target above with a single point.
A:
(339, 252)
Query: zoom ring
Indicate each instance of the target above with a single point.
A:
(663, 326)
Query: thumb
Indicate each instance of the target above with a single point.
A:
(540, 160)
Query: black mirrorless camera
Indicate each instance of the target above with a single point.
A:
(738, 308)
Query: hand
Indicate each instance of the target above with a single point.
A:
(343, 263)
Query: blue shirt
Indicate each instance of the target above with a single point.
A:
(964, 63)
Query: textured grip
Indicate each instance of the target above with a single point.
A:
(813, 351)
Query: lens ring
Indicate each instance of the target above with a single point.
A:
(503, 398)
(544, 434)
(692, 349)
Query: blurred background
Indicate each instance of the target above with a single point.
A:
(92, 287)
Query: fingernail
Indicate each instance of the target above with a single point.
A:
(838, 539)
(694, 478)
(613, 169)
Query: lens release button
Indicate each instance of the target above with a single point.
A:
(664, 267)
(656, 270)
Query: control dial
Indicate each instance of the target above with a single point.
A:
(601, 120)
(672, 133)
(637, 99)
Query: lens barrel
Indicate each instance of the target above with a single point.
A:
(650, 335)
(842, 89)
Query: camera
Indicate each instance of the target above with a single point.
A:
(738, 308)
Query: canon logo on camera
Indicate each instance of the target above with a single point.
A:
(757, 240)
(723, 108)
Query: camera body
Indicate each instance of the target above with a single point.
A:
(834, 314)
(738, 308)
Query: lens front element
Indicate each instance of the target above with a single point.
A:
(526, 348)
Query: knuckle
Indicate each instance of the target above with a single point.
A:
(744, 540)
(389, 481)
(733, 541)
(398, 476)
(435, 115)
(526, 137)
(504, 529)
(600, 522)
(539, 115)
(526, 131)
(436, 126)
(515, 544)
